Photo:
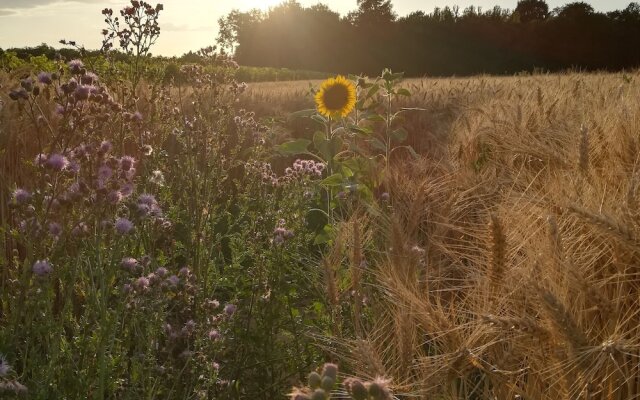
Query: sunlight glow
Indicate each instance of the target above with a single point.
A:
(261, 4)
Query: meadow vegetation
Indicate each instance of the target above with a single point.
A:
(200, 238)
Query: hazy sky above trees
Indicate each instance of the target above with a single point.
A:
(186, 24)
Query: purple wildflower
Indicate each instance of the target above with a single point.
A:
(21, 196)
(42, 268)
(127, 189)
(45, 78)
(142, 283)
(80, 230)
(173, 280)
(214, 334)
(40, 160)
(230, 309)
(123, 226)
(57, 162)
(147, 199)
(89, 78)
(129, 264)
(75, 66)
(55, 229)
(104, 172)
(82, 92)
(162, 272)
(127, 162)
(114, 197)
(105, 146)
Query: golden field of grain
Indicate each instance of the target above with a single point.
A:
(513, 258)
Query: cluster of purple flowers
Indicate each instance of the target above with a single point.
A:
(148, 206)
(159, 279)
(305, 168)
(299, 171)
(281, 233)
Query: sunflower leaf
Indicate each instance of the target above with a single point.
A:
(333, 180)
(294, 147)
(302, 113)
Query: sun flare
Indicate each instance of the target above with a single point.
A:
(260, 4)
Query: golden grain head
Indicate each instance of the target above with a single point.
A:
(336, 97)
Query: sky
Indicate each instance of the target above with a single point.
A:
(185, 24)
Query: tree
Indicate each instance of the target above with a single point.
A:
(372, 13)
(575, 10)
(532, 10)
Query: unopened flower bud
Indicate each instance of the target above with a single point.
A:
(328, 383)
(319, 394)
(314, 380)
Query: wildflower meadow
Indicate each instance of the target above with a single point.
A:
(171, 232)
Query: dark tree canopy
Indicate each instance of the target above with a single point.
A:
(532, 10)
(447, 41)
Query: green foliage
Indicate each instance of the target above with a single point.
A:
(357, 149)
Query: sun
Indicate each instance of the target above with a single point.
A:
(260, 4)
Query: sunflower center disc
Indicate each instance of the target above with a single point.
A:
(336, 97)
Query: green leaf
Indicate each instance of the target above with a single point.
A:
(357, 129)
(375, 118)
(399, 135)
(319, 118)
(333, 180)
(403, 92)
(325, 236)
(378, 144)
(303, 113)
(374, 89)
(327, 148)
(294, 147)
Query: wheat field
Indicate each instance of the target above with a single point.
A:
(510, 266)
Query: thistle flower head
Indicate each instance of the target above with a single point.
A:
(230, 309)
(129, 264)
(105, 147)
(55, 229)
(127, 162)
(214, 334)
(142, 283)
(42, 268)
(21, 196)
(75, 66)
(45, 78)
(40, 160)
(123, 226)
(89, 78)
(57, 162)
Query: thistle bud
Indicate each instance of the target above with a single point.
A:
(330, 370)
(314, 380)
(328, 383)
(356, 389)
(319, 394)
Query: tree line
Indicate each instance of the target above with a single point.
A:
(447, 41)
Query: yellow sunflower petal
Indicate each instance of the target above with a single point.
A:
(336, 97)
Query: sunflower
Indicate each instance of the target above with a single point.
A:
(336, 97)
